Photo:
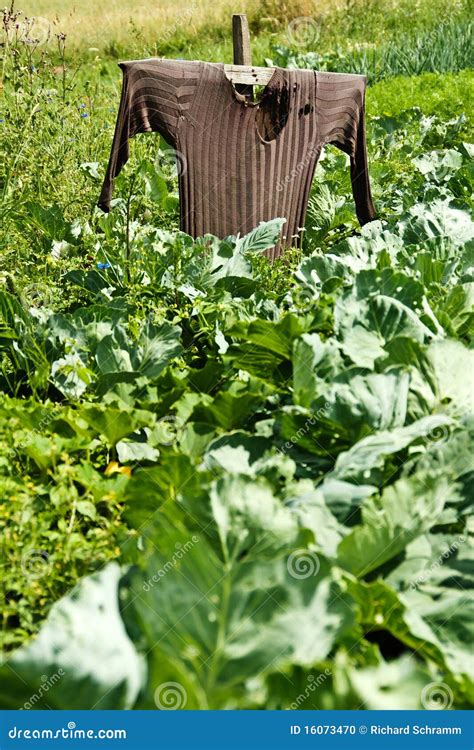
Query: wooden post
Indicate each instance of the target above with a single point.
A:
(242, 52)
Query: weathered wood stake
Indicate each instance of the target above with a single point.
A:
(242, 51)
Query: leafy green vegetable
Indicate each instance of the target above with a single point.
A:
(404, 511)
(83, 650)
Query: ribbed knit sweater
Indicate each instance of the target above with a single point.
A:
(243, 162)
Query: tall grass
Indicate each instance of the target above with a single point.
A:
(122, 23)
(446, 48)
(121, 27)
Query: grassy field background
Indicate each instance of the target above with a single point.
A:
(189, 25)
(123, 21)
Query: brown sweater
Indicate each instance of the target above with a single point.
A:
(242, 163)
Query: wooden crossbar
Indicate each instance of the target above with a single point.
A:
(248, 76)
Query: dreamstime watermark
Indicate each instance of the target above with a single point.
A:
(437, 696)
(183, 20)
(307, 294)
(302, 431)
(441, 432)
(170, 696)
(303, 31)
(70, 732)
(311, 154)
(181, 551)
(313, 683)
(36, 295)
(303, 563)
(36, 564)
(46, 684)
(170, 429)
(445, 555)
(31, 30)
(170, 163)
(27, 440)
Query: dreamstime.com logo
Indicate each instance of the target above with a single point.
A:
(36, 564)
(36, 295)
(300, 167)
(46, 684)
(67, 733)
(303, 563)
(313, 682)
(16, 450)
(170, 163)
(437, 696)
(303, 31)
(170, 696)
(306, 427)
(184, 19)
(181, 551)
(439, 433)
(445, 555)
(170, 429)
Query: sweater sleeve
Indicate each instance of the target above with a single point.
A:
(341, 122)
(155, 95)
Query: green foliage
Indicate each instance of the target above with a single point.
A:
(250, 436)
(445, 48)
